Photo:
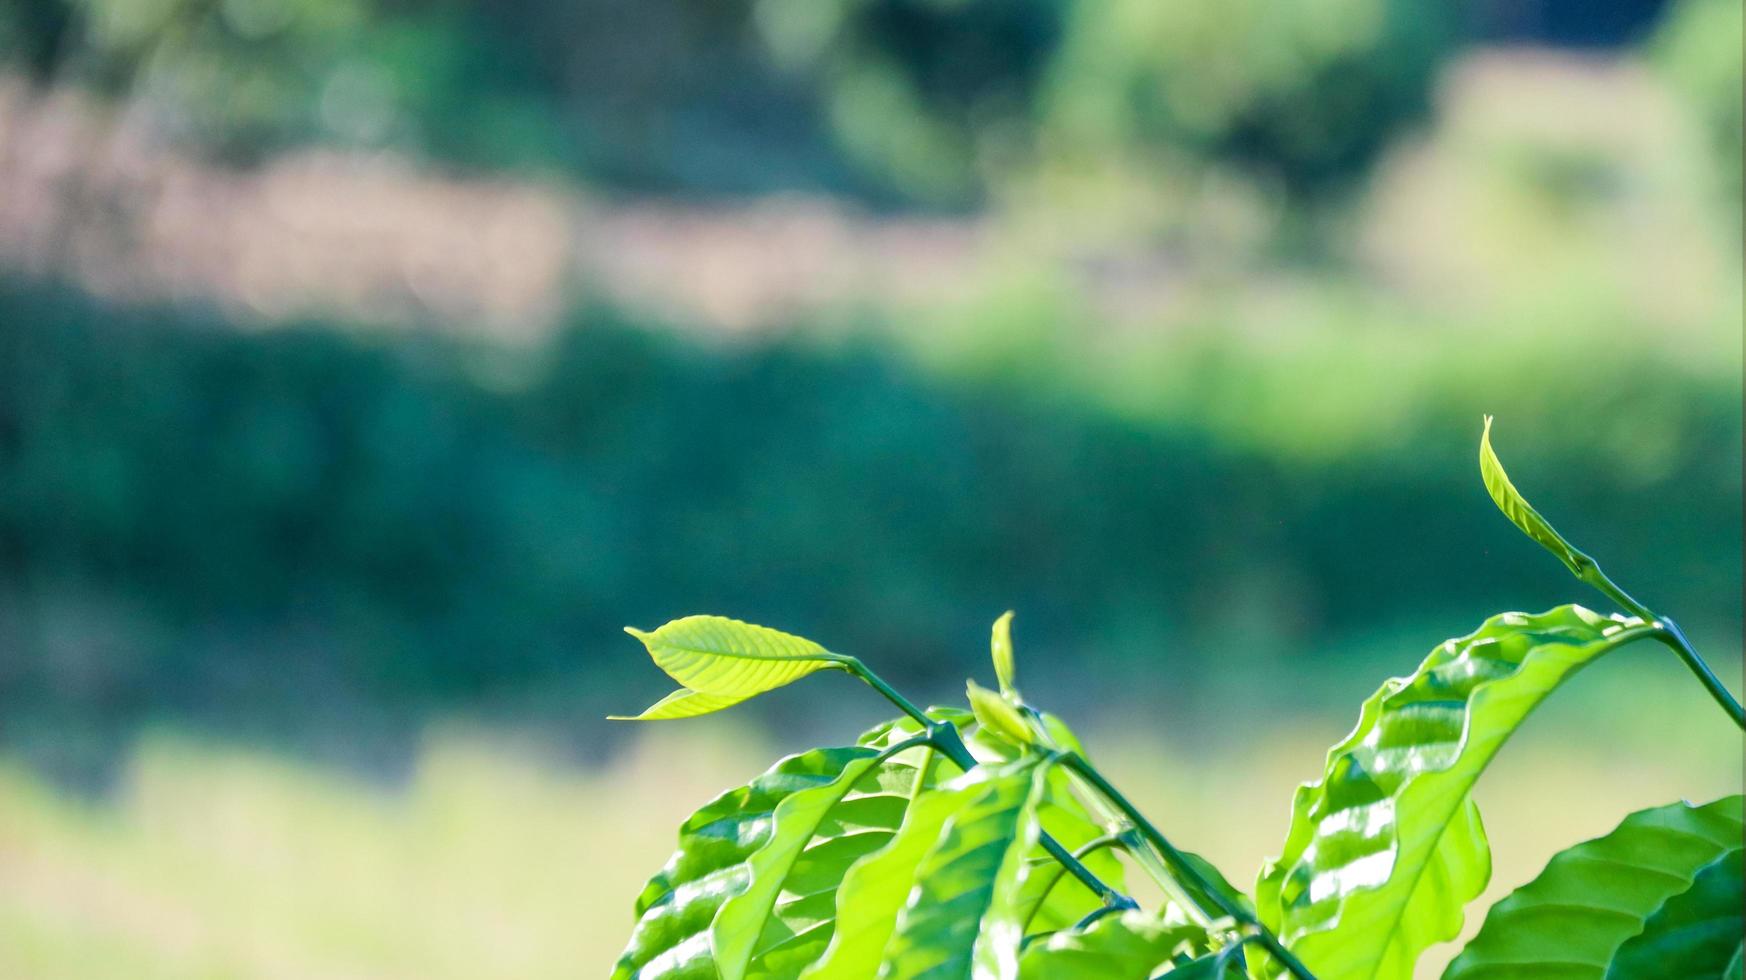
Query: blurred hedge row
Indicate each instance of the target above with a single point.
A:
(194, 519)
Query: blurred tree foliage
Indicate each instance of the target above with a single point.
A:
(199, 519)
(900, 101)
(1699, 49)
(1306, 95)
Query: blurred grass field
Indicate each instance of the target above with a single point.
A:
(495, 860)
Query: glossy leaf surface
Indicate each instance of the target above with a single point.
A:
(784, 918)
(1131, 945)
(962, 917)
(725, 658)
(875, 888)
(751, 891)
(1521, 513)
(1591, 898)
(1696, 933)
(1387, 847)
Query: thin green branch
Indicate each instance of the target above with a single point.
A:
(1093, 916)
(854, 666)
(1144, 856)
(1592, 576)
(1186, 871)
(1118, 839)
(1674, 637)
(944, 737)
(1222, 962)
(1669, 633)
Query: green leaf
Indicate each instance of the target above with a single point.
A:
(730, 660)
(1052, 898)
(751, 891)
(1058, 735)
(875, 888)
(997, 715)
(891, 732)
(683, 703)
(1387, 847)
(1521, 513)
(784, 918)
(1000, 647)
(1591, 898)
(1211, 966)
(1695, 933)
(1216, 878)
(1131, 945)
(962, 917)
(1205, 968)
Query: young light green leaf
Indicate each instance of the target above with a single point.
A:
(1521, 513)
(1592, 897)
(683, 703)
(997, 715)
(1130, 945)
(1696, 933)
(725, 658)
(1000, 646)
(751, 890)
(1387, 847)
(962, 917)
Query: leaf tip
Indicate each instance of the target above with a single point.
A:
(1000, 647)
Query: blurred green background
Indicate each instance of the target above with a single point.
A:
(365, 365)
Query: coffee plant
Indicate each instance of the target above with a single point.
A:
(982, 842)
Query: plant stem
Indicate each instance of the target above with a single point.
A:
(1185, 870)
(1079, 854)
(1144, 856)
(1222, 962)
(944, 737)
(854, 666)
(1592, 576)
(1674, 637)
(1670, 634)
